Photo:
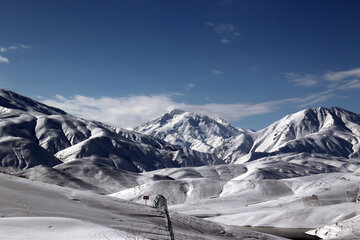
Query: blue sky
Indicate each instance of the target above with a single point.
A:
(125, 62)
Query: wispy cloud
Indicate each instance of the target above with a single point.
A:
(4, 60)
(225, 41)
(343, 80)
(352, 84)
(217, 72)
(131, 111)
(342, 75)
(227, 32)
(122, 111)
(10, 48)
(306, 80)
(332, 82)
(191, 85)
(313, 99)
(13, 47)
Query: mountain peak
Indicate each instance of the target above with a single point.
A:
(197, 131)
(12, 100)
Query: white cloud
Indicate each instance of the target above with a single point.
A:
(341, 75)
(122, 111)
(191, 85)
(225, 41)
(227, 32)
(343, 80)
(313, 99)
(14, 47)
(10, 48)
(217, 72)
(306, 80)
(131, 111)
(4, 60)
(352, 84)
(231, 112)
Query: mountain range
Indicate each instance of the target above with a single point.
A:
(32, 134)
(329, 131)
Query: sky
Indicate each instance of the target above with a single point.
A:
(125, 62)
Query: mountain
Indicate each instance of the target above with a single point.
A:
(329, 131)
(300, 172)
(199, 132)
(32, 134)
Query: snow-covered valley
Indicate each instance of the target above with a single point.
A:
(70, 178)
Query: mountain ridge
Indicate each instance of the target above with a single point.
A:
(294, 133)
(32, 133)
(197, 131)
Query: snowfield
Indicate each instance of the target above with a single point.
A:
(34, 210)
(301, 202)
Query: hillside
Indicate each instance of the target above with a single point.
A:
(33, 134)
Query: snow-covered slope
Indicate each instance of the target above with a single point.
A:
(33, 210)
(239, 195)
(199, 132)
(330, 131)
(34, 134)
(345, 230)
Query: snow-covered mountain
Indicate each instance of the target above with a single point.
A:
(199, 132)
(330, 131)
(300, 172)
(32, 134)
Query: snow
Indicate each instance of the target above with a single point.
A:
(300, 172)
(332, 131)
(298, 202)
(348, 229)
(44, 228)
(33, 134)
(42, 211)
(199, 132)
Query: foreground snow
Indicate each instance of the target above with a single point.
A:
(44, 228)
(34, 210)
(213, 193)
